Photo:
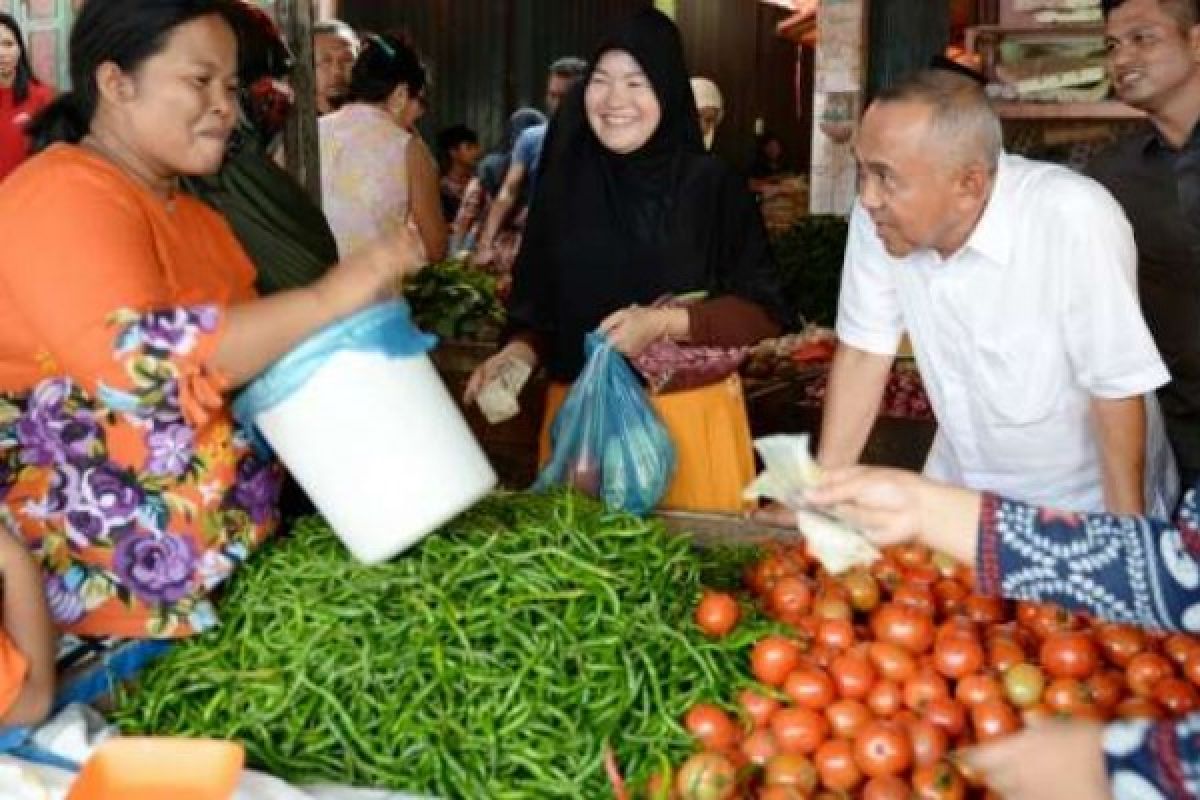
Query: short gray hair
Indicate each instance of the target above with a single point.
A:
(335, 27)
(962, 119)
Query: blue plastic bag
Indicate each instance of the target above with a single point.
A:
(606, 439)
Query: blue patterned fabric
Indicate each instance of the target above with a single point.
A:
(1126, 569)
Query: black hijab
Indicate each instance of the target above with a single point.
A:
(608, 230)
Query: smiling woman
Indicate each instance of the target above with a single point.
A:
(630, 208)
(127, 311)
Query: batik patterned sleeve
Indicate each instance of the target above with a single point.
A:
(1154, 760)
(1126, 569)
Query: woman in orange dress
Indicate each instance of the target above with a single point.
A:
(127, 312)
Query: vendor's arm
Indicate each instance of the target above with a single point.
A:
(27, 639)
(100, 298)
(1120, 429)
(869, 327)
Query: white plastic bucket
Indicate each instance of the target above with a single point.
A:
(373, 436)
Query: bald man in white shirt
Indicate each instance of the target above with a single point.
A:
(1015, 281)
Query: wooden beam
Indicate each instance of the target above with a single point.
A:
(300, 135)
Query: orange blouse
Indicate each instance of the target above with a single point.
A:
(120, 464)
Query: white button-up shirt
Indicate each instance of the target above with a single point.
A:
(1015, 334)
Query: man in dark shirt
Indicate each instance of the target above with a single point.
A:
(1154, 61)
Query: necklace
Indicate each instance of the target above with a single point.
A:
(164, 188)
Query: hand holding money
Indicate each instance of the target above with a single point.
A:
(790, 472)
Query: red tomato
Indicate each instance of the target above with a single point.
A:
(1069, 655)
(837, 634)
(1177, 696)
(773, 659)
(759, 747)
(905, 627)
(1004, 653)
(993, 719)
(958, 655)
(978, 688)
(885, 699)
(886, 787)
(925, 685)
(938, 782)
(847, 718)
(916, 596)
(757, 708)
(1066, 696)
(1179, 646)
(810, 687)
(711, 726)
(1191, 668)
(910, 555)
(951, 597)
(706, 776)
(717, 613)
(853, 675)
(1120, 643)
(762, 576)
(836, 766)
(781, 793)
(929, 742)
(1139, 708)
(892, 661)
(791, 597)
(948, 714)
(883, 748)
(984, 610)
(1106, 689)
(799, 730)
(1145, 671)
(791, 770)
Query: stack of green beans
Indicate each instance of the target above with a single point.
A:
(496, 660)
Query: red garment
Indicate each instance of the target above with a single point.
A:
(14, 145)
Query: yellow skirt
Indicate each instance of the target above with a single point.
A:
(714, 456)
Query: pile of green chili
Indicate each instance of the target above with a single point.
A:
(495, 660)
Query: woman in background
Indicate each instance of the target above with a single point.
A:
(376, 176)
(22, 96)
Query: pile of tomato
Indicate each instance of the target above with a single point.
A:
(882, 674)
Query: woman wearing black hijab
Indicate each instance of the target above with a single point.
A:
(630, 208)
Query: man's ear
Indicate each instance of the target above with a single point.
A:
(974, 182)
(114, 84)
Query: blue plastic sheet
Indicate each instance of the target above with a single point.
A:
(607, 441)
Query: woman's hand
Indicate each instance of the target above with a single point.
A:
(893, 506)
(1048, 761)
(488, 370)
(631, 330)
(884, 503)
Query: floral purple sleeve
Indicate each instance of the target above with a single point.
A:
(1127, 569)
(1154, 760)
(163, 372)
